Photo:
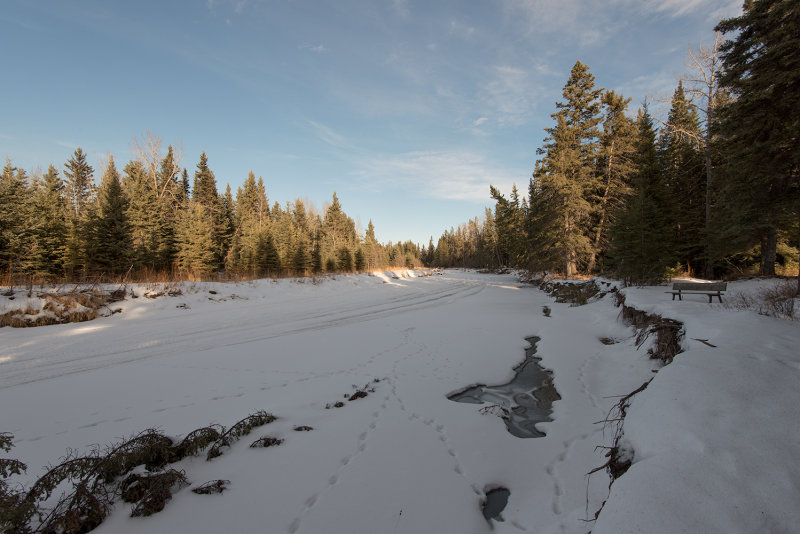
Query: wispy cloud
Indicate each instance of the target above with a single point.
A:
(67, 144)
(400, 8)
(449, 175)
(677, 8)
(459, 29)
(318, 48)
(508, 94)
(330, 136)
(567, 23)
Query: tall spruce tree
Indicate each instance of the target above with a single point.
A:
(171, 201)
(614, 168)
(761, 126)
(49, 224)
(80, 191)
(680, 145)
(204, 192)
(143, 214)
(510, 220)
(339, 230)
(564, 177)
(642, 235)
(196, 241)
(112, 231)
(15, 206)
(268, 260)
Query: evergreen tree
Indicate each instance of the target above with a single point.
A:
(760, 126)
(685, 176)
(112, 232)
(196, 241)
(642, 234)
(143, 214)
(614, 168)
(560, 209)
(269, 262)
(172, 200)
(301, 260)
(204, 192)
(228, 227)
(185, 183)
(373, 254)
(339, 229)
(510, 220)
(344, 259)
(15, 239)
(360, 260)
(251, 219)
(49, 224)
(79, 189)
(316, 257)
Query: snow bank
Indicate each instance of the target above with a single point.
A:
(715, 434)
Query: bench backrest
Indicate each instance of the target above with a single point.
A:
(700, 286)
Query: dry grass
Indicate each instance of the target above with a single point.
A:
(778, 300)
(64, 306)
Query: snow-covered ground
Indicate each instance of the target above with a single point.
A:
(714, 436)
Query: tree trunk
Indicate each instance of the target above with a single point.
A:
(769, 246)
(600, 226)
(709, 271)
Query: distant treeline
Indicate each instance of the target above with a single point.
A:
(147, 222)
(714, 190)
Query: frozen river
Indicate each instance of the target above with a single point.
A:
(403, 459)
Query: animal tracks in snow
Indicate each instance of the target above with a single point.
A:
(343, 465)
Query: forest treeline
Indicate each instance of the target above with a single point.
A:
(147, 221)
(713, 189)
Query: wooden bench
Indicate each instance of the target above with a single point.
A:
(712, 289)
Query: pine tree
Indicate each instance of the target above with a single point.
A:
(205, 193)
(251, 219)
(685, 175)
(112, 232)
(316, 256)
(760, 126)
(344, 259)
(301, 259)
(185, 183)
(339, 229)
(49, 224)
(510, 220)
(360, 260)
(79, 189)
(614, 168)
(642, 235)
(373, 255)
(559, 209)
(15, 207)
(171, 201)
(196, 241)
(143, 214)
(268, 259)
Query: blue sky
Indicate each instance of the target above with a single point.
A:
(407, 109)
